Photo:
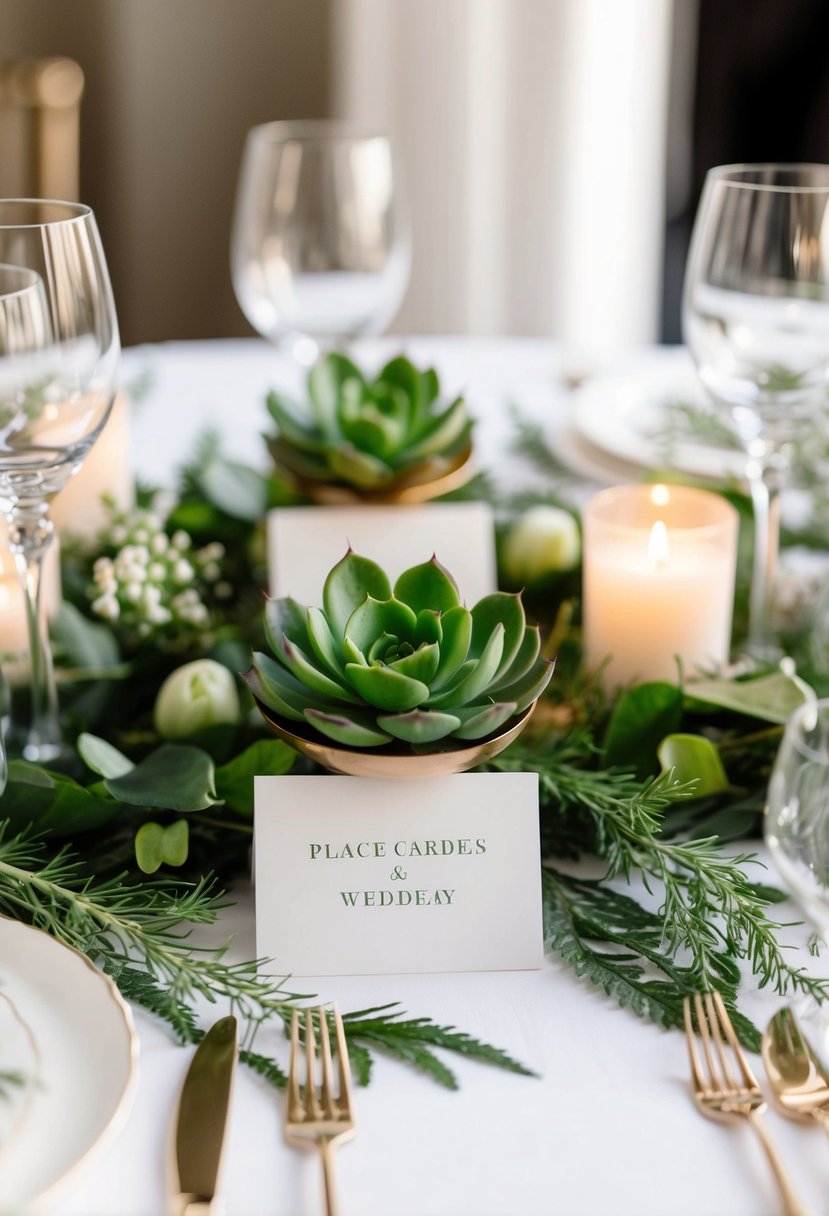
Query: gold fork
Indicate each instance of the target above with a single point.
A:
(314, 1116)
(720, 1095)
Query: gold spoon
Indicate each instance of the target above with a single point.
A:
(798, 1079)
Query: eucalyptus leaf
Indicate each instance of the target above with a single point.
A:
(265, 758)
(642, 718)
(237, 490)
(81, 642)
(175, 777)
(771, 698)
(693, 758)
(102, 757)
(55, 805)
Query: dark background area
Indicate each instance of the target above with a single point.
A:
(760, 93)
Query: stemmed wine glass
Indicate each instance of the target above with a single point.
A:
(59, 350)
(756, 321)
(320, 248)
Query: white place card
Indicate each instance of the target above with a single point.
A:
(356, 876)
(305, 542)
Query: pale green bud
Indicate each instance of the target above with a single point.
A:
(545, 540)
(199, 694)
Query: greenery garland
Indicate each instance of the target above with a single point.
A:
(120, 856)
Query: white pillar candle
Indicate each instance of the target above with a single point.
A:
(659, 568)
(78, 509)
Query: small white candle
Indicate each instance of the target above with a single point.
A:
(659, 568)
(14, 628)
(78, 510)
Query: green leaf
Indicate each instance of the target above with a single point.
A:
(771, 698)
(308, 674)
(156, 845)
(385, 688)
(454, 647)
(286, 618)
(325, 387)
(176, 777)
(322, 642)
(234, 488)
(293, 423)
(440, 432)
(419, 725)
(479, 676)
(527, 688)
(524, 661)
(478, 721)
(693, 758)
(281, 691)
(421, 664)
(102, 757)
(359, 468)
(644, 715)
(498, 609)
(373, 618)
(51, 804)
(83, 643)
(428, 586)
(265, 758)
(347, 585)
(352, 730)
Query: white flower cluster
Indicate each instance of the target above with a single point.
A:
(154, 583)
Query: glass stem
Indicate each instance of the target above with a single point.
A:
(765, 479)
(30, 534)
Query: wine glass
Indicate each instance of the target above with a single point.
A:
(59, 350)
(320, 248)
(756, 321)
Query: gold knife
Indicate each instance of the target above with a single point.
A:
(202, 1117)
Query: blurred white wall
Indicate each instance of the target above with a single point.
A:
(533, 137)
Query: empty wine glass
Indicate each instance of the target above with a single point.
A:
(59, 350)
(320, 249)
(756, 320)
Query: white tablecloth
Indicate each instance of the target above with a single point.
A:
(607, 1127)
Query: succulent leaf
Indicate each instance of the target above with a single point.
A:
(414, 665)
(457, 634)
(429, 586)
(478, 676)
(357, 467)
(489, 612)
(325, 386)
(347, 729)
(293, 425)
(375, 617)
(441, 432)
(347, 585)
(384, 688)
(478, 721)
(420, 725)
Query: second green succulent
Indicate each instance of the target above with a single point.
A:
(410, 663)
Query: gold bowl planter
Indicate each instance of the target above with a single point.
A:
(406, 489)
(385, 762)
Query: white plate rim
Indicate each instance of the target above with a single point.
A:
(599, 411)
(52, 1190)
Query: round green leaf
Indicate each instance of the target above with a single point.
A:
(693, 758)
(102, 757)
(375, 617)
(156, 845)
(421, 665)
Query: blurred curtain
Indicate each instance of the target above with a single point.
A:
(533, 135)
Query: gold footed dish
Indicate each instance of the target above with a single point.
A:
(406, 490)
(387, 764)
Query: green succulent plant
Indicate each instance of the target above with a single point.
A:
(373, 435)
(411, 664)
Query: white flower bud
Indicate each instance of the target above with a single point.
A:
(182, 572)
(158, 615)
(211, 572)
(133, 592)
(181, 540)
(160, 543)
(194, 696)
(102, 567)
(152, 597)
(107, 606)
(545, 540)
(119, 534)
(157, 572)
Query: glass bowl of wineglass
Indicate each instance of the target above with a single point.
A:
(755, 318)
(59, 352)
(320, 246)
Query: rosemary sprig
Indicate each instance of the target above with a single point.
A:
(709, 910)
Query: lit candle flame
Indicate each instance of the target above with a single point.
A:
(658, 549)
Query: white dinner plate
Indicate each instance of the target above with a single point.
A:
(88, 1064)
(626, 413)
(19, 1070)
